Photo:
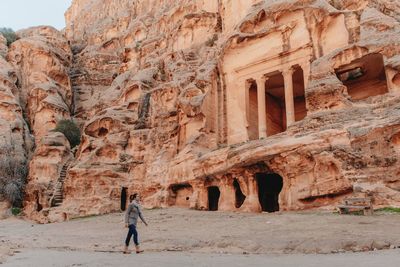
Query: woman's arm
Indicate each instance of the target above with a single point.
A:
(141, 215)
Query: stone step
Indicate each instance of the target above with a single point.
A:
(58, 195)
(190, 57)
(193, 63)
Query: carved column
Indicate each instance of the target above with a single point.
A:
(306, 73)
(262, 111)
(247, 84)
(289, 100)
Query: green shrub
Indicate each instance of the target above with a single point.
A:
(70, 130)
(13, 173)
(389, 210)
(9, 34)
(15, 211)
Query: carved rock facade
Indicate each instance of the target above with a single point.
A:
(219, 105)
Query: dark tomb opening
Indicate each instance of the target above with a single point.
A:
(124, 197)
(269, 187)
(239, 196)
(213, 198)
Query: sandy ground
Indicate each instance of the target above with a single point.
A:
(47, 258)
(187, 235)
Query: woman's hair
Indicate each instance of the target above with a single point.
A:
(132, 197)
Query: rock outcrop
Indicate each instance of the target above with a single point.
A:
(229, 105)
(15, 139)
(39, 95)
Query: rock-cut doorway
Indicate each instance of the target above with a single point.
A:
(213, 198)
(124, 198)
(269, 187)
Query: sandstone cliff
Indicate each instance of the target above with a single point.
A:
(229, 104)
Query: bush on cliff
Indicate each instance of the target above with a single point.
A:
(70, 130)
(13, 173)
(9, 34)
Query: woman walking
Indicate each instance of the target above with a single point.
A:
(132, 214)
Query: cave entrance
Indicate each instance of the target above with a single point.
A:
(213, 198)
(239, 196)
(269, 187)
(364, 77)
(124, 197)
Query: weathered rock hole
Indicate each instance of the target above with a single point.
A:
(133, 106)
(17, 58)
(179, 195)
(102, 132)
(396, 79)
(16, 130)
(107, 152)
(396, 140)
(89, 149)
(364, 77)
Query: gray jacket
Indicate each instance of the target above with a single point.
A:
(132, 214)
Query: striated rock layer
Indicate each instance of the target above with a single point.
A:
(220, 105)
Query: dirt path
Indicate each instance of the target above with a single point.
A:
(50, 258)
(185, 231)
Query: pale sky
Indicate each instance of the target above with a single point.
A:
(20, 14)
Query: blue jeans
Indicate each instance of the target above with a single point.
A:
(132, 231)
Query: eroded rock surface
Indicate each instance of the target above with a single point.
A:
(42, 57)
(15, 139)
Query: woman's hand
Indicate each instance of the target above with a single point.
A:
(126, 225)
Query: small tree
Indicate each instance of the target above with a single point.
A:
(9, 34)
(70, 130)
(13, 172)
